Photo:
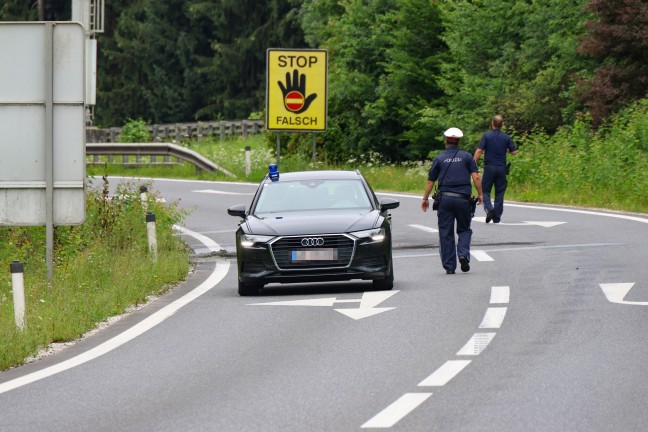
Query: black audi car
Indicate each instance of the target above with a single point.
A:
(314, 226)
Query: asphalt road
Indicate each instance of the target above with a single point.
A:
(545, 333)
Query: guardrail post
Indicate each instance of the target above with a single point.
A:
(152, 236)
(18, 287)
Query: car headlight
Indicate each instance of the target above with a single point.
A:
(375, 235)
(251, 240)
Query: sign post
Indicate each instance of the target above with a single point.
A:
(296, 91)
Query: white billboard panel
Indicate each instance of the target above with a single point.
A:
(45, 77)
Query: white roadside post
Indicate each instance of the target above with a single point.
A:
(144, 197)
(18, 286)
(152, 237)
(248, 164)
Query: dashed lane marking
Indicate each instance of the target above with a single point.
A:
(493, 318)
(445, 373)
(397, 410)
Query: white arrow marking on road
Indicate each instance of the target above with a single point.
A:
(212, 191)
(367, 304)
(424, 228)
(480, 255)
(615, 293)
(523, 223)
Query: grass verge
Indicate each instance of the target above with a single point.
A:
(101, 268)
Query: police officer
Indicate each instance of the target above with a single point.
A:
(495, 144)
(453, 169)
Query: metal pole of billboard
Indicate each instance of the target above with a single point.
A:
(278, 148)
(49, 149)
(314, 148)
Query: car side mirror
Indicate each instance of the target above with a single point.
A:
(388, 204)
(237, 210)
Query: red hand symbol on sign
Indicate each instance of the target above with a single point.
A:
(294, 93)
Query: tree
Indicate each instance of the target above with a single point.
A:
(515, 58)
(411, 80)
(146, 64)
(356, 37)
(618, 40)
(239, 32)
(18, 10)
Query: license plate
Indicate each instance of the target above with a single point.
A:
(323, 254)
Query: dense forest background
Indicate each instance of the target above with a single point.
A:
(400, 71)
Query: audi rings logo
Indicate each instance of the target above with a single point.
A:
(312, 241)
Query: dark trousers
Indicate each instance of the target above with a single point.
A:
(494, 175)
(453, 209)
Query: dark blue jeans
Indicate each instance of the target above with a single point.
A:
(494, 175)
(453, 209)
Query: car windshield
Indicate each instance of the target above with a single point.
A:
(312, 195)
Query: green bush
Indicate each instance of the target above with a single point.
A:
(135, 131)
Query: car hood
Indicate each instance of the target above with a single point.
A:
(308, 223)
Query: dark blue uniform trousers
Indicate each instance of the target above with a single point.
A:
(453, 209)
(494, 175)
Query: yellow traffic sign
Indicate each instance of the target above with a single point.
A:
(296, 90)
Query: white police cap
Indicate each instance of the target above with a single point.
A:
(453, 132)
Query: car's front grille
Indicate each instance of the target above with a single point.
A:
(327, 251)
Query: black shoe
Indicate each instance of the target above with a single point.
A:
(450, 272)
(465, 266)
(489, 216)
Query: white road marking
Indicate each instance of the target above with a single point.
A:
(220, 271)
(366, 308)
(477, 343)
(522, 223)
(500, 294)
(219, 231)
(374, 298)
(327, 301)
(445, 373)
(219, 192)
(616, 292)
(397, 410)
(587, 212)
(481, 255)
(424, 228)
(493, 318)
(358, 314)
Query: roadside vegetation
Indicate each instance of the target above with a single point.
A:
(101, 268)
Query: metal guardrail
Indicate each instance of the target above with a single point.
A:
(181, 131)
(152, 150)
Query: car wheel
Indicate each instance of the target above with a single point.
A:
(248, 289)
(387, 283)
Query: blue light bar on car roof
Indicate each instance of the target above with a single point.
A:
(274, 172)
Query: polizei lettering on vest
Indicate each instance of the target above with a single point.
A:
(296, 121)
(452, 160)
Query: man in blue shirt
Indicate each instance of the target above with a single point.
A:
(495, 144)
(453, 169)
